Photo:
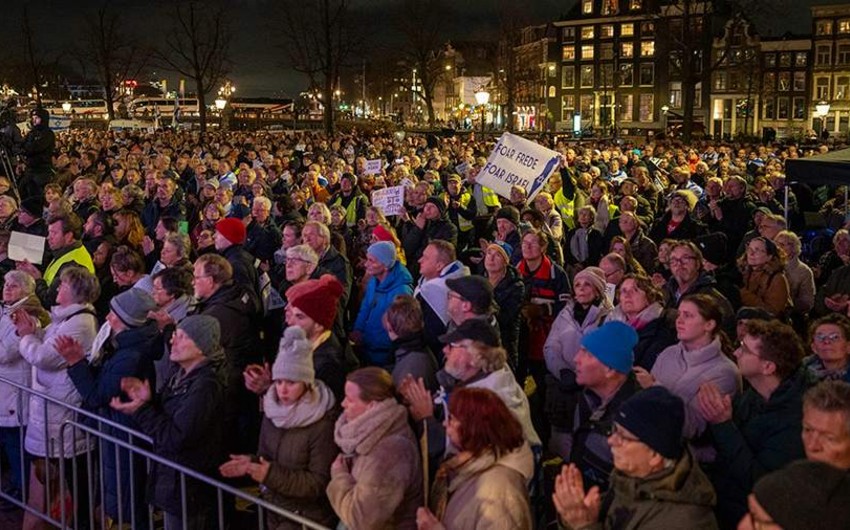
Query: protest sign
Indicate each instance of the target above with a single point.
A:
(372, 167)
(389, 200)
(516, 161)
(28, 247)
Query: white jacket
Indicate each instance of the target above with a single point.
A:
(50, 376)
(564, 339)
(504, 384)
(14, 368)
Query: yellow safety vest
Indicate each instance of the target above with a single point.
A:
(350, 210)
(79, 255)
(566, 208)
(464, 225)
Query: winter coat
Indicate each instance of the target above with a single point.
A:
(688, 229)
(51, 377)
(490, 492)
(244, 272)
(380, 486)
(15, 368)
(262, 240)
(335, 263)
(679, 497)
(236, 309)
(801, 282)
(185, 425)
(413, 357)
(683, 372)
(653, 337)
(378, 297)
(767, 287)
(644, 251)
(762, 436)
(508, 295)
(414, 240)
(300, 470)
(564, 340)
(704, 284)
(838, 283)
(329, 362)
(433, 298)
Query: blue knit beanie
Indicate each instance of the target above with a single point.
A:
(657, 418)
(383, 251)
(612, 343)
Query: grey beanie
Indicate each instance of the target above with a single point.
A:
(294, 357)
(132, 307)
(204, 331)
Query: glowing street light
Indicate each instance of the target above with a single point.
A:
(482, 97)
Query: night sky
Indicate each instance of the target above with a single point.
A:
(259, 68)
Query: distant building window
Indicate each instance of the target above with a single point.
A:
(627, 75)
(824, 54)
(569, 34)
(784, 81)
(628, 50)
(568, 53)
(720, 80)
(568, 107)
(587, 76)
(769, 82)
(586, 104)
(634, 5)
(799, 82)
(587, 7)
(844, 25)
(587, 52)
(783, 108)
(676, 94)
(606, 75)
(647, 48)
(568, 76)
(647, 29)
(552, 91)
(770, 60)
(841, 85)
(823, 27)
(627, 107)
(801, 59)
(799, 109)
(606, 50)
(647, 108)
(606, 31)
(822, 88)
(587, 33)
(769, 109)
(647, 74)
(843, 54)
(785, 60)
(627, 30)
(610, 7)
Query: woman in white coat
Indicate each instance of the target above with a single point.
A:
(73, 316)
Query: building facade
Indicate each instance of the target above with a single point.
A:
(831, 69)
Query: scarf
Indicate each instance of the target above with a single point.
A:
(578, 245)
(312, 407)
(361, 434)
(647, 315)
(440, 488)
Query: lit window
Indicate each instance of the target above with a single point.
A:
(628, 50)
(606, 31)
(647, 107)
(568, 53)
(587, 7)
(647, 74)
(587, 32)
(587, 76)
(610, 7)
(647, 48)
(634, 5)
(627, 30)
(844, 25)
(823, 27)
(568, 76)
(587, 52)
(626, 107)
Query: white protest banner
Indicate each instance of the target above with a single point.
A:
(389, 200)
(461, 169)
(372, 167)
(26, 247)
(516, 161)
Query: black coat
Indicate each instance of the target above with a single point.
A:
(655, 337)
(509, 295)
(688, 230)
(186, 428)
(263, 240)
(237, 311)
(244, 272)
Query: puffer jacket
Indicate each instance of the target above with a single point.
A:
(15, 368)
(51, 377)
(564, 340)
(491, 492)
(378, 297)
(679, 497)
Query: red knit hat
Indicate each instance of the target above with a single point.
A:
(382, 234)
(318, 299)
(232, 229)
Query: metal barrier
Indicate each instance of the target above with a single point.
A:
(85, 470)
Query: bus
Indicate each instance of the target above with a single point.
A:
(80, 108)
(146, 107)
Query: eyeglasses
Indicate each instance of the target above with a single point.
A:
(827, 338)
(617, 432)
(682, 260)
(745, 350)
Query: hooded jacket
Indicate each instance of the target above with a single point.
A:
(413, 357)
(508, 295)
(378, 297)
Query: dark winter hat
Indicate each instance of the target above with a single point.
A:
(204, 331)
(33, 205)
(713, 247)
(239, 211)
(294, 357)
(475, 289)
(753, 313)
(475, 329)
(656, 417)
(41, 112)
(232, 229)
(438, 202)
(510, 213)
(132, 307)
(317, 298)
(806, 495)
(613, 344)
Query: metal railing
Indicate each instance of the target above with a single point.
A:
(86, 470)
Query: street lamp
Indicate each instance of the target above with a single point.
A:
(66, 107)
(482, 97)
(822, 108)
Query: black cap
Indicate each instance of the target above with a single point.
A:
(475, 329)
(33, 205)
(713, 247)
(438, 202)
(475, 289)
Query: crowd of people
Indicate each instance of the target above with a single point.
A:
(643, 344)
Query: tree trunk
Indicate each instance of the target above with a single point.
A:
(328, 112)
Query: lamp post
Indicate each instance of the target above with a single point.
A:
(66, 107)
(224, 94)
(551, 71)
(664, 110)
(482, 97)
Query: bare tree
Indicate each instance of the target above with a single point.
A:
(34, 60)
(319, 38)
(421, 23)
(197, 46)
(112, 52)
(512, 18)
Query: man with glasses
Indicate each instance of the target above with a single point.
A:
(758, 431)
(656, 481)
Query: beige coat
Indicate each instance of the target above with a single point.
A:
(490, 493)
